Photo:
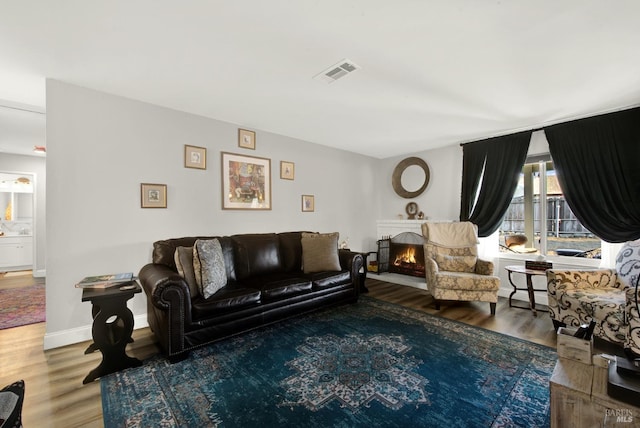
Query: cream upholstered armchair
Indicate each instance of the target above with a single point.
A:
(452, 267)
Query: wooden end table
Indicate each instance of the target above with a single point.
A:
(529, 273)
(112, 328)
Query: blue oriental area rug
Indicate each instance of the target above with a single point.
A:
(372, 364)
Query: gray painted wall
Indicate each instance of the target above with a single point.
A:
(100, 148)
(441, 198)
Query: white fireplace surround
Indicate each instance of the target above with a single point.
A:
(392, 228)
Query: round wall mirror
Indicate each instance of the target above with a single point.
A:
(410, 177)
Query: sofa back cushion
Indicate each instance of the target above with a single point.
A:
(256, 254)
(290, 251)
(164, 251)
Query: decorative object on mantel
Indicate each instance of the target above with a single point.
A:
(396, 178)
(420, 215)
(412, 210)
(153, 195)
(344, 245)
(195, 157)
(287, 170)
(246, 139)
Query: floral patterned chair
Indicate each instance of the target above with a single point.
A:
(607, 296)
(452, 267)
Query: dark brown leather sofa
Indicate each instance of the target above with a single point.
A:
(265, 283)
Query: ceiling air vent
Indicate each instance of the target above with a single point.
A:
(337, 71)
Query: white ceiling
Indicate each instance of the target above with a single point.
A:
(433, 73)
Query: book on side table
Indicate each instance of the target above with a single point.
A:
(105, 281)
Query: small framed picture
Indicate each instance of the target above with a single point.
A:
(195, 157)
(287, 171)
(308, 203)
(153, 195)
(246, 139)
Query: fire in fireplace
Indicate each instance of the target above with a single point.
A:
(407, 259)
(404, 254)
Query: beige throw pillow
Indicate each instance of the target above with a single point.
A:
(320, 252)
(184, 262)
(208, 265)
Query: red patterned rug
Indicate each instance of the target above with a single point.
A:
(22, 306)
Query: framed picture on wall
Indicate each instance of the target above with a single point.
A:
(246, 139)
(246, 182)
(308, 203)
(195, 157)
(287, 171)
(153, 195)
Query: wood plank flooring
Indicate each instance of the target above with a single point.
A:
(56, 397)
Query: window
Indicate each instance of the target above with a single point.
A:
(550, 227)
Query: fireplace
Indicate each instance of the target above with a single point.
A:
(403, 254)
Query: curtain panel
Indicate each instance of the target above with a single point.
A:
(493, 166)
(597, 164)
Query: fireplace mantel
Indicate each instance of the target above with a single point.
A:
(394, 227)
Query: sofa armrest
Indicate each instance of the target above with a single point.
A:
(484, 267)
(167, 291)
(353, 262)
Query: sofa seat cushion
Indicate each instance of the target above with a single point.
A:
(467, 281)
(597, 303)
(227, 299)
(281, 288)
(323, 280)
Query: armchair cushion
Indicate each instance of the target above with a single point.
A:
(456, 263)
(467, 281)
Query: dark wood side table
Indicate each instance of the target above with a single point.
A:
(112, 328)
(363, 273)
(529, 273)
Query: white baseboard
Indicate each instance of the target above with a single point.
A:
(82, 334)
(40, 273)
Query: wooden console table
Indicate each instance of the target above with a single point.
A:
(112, 328)
(579, 397)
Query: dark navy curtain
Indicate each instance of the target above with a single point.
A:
(493, 166)
(597, 161)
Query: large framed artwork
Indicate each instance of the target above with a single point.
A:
(246, 182)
